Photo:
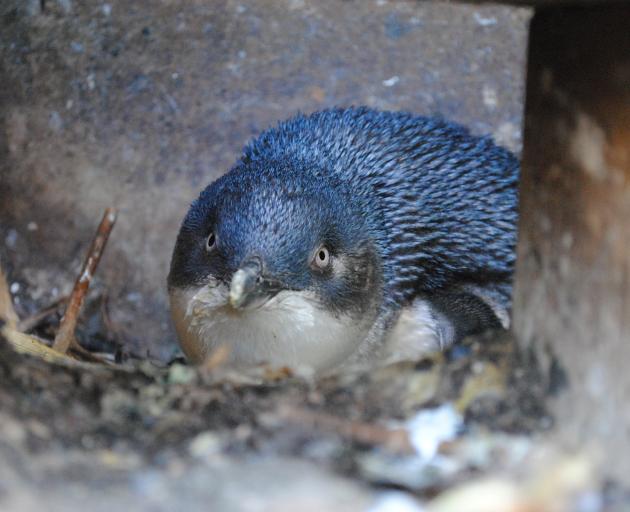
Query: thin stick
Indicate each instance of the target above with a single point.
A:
(86, 355)
(65, 335)
(7, 312)
(34, 346)
(395, 440)
(35, 319)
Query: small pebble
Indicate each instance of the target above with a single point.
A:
(204, 444)
(181, 374)
(477, 367)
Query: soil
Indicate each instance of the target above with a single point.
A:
(118, 434)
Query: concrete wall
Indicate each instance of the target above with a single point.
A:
(140, 104)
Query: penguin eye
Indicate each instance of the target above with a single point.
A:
(211, 242)
(321, 260)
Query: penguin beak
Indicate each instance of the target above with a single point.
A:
(249, 288)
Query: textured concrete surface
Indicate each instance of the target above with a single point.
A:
(140, 104)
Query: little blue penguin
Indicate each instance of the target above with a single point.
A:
(348, 236)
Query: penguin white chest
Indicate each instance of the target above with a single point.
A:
(291, 329)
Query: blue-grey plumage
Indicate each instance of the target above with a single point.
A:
(345, 235)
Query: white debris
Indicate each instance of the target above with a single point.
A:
(205, 444)
(390, 82)
(431, 427)
(32, 226)
(15, 287)
(489, 96)
(484, 22)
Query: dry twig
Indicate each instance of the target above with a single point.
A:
(7, 312)
(86, 355)
(34, 346)
(65, 336)
(34, 320)
(395, 440)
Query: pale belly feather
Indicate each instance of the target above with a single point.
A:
(289, 330)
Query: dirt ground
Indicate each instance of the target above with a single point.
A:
(462, 430)
(169, 438)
